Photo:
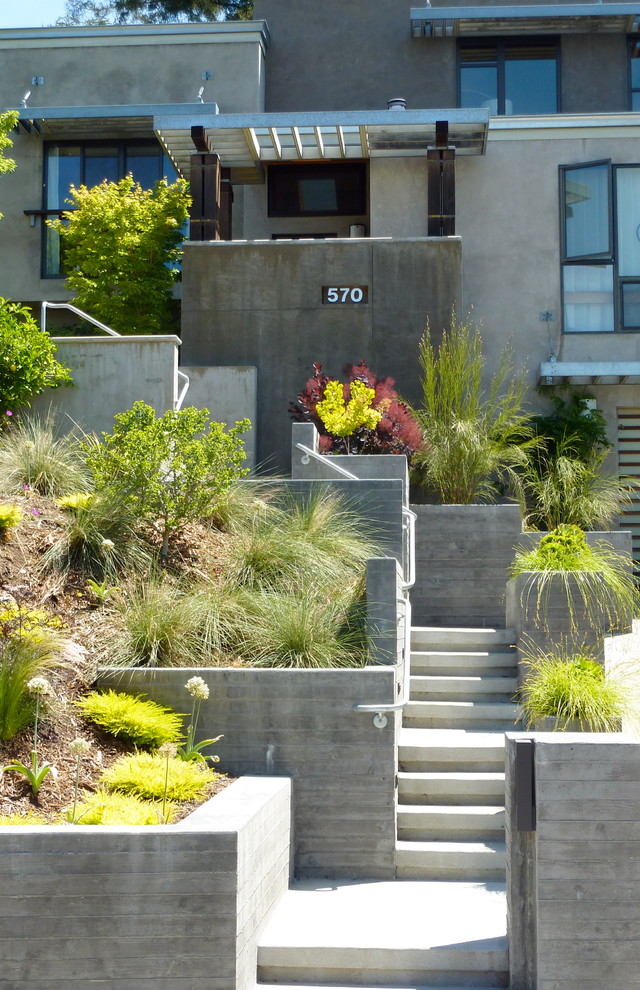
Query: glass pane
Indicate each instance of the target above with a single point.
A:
(530, 86)
(100, 163)
(145, 164)
(479, 87)
(318, 195)
(168, 170)
(586, 211)
(635, 73)
(631, 305)
(635, 101)
(63, 171)
(588, 298)
(51, 252)
(628, 210)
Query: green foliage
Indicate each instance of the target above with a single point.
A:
(139, 720)
(35, 774)
(571, 688)
(601, 578)
(10, 517)
(170, 469)
(106, 808)
(75, 501)
(120, 247)
(471, 436)
(25, 653)
(103, 12)
(572, 424)
(8, 120)
(29, 818)
(32, 455)
(99, 540)
(144, 775)
(27, 358)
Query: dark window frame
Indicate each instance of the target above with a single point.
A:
(296, 171)
(501, 44)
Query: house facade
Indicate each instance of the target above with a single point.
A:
(358, 168)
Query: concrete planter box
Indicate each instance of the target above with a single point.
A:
(302, 724)
(159, 908)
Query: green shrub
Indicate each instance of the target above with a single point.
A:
(23, 657)
(137, 719)
(27, 361)
(144, 775)
(107, 808)
(10, 517)
(75, 501)
(31, 454)
(29, 818)
(571, 688)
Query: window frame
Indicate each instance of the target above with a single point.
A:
(501, 44)
(296, 171)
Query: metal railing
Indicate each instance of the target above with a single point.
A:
(112, 333)
(409, 533)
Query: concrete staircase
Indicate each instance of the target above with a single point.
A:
(451, 755)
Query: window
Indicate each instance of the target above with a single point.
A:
(600, 247)
(509, 76)
(88, 163)
(634, 74)
(326, 190)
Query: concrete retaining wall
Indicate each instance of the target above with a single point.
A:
(229, 394)
(572, 885)
(463, 554)
(302, 724)
(159, 908)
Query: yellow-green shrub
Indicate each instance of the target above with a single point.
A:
(132, 717)
(144, 775)
(10, 516)
(75, 501)
(106, 808)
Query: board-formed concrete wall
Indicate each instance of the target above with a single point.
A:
(572, 884)
(302, 723)
(158, 908)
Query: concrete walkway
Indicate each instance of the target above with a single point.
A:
(409, 933)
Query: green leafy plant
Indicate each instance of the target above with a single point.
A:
(170, 469)
(191, 750)
(8, 120)
(78, 747)
(104, 807)
(10, 517)
(137, 719)
(574, 423)
(144, 776)
(27, 358)
(101, 590)
(471, 436)
(31, 454)
(120, 246)
(36, 773)
(571, 688)
(601, 577)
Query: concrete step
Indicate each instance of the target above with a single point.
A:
(463, 662)
(451, 788)
(438, 687)
(482, 823)
(450, 749)
(460, 638)
(500, 716)
(448, 860)
(402, 933)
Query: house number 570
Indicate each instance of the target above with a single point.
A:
(345, 293)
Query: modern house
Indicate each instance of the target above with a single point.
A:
(356, 169)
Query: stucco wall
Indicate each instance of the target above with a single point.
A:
(261, 304)
(229, 394)
(161, 908)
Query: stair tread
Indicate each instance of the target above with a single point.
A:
(360, 986)
(427, 810)
(460, 775)
(459, 847)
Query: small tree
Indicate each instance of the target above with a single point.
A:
(171, 469)
(121, 245)
(27, 362)
(8, 121)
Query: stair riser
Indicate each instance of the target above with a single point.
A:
(434, 766)
(484, 725)
(490, 970)
(455, 693)
(477, 640)
(470, 875)
(414, 794)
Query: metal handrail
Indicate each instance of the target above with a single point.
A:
(409, 525)
(112, 333)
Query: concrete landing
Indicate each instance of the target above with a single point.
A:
(403, 932)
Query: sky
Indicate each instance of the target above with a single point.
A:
(30, 13)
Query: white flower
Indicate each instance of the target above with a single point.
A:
(197, 688)
(39, 686)
(167, 751)
(108, 544)
(79, 746)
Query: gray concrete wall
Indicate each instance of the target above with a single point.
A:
(302, 724)
(109, 375)
(161, 908)
(572, 884)
(261, 304)
(229, 394)
(463, 553)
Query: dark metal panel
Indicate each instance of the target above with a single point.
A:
(525, 785)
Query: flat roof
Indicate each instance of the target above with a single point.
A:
(551, 18)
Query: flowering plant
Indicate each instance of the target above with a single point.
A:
(362, 416)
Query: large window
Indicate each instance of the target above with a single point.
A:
(88, 163)
(634, 74)
(511, 76)
(601, 247)
(324, 190)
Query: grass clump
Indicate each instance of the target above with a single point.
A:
(132, 717)
(24, 655)
(31, 454)
(571, 688)
(151, 777)
(113, 808)
(10, 517)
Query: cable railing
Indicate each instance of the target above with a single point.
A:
(112, 333)
(409, 542)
